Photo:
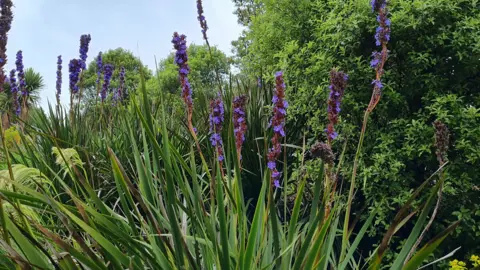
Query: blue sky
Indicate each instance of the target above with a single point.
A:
(44, 29)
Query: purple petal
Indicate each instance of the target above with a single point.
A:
(271, 165)
(276, 183)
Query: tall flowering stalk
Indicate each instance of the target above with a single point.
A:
(59, 79)
(14, 90)
(74, 68)
(84, 43)
(181, 59)
(382, 37)
(278, 123)
(204, 27)
(201, 19)
(22, 85)
(82, 61)
(6, 17)
(239, 123)
(99, 70)
(21, 75)
(216, 118)
(107, 73)
(121, 88)
(338, 83)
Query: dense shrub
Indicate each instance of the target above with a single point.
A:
(433, 72)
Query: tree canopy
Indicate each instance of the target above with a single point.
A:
(118, 58)
(203, 69)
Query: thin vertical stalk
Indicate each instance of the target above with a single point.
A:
(345, 235)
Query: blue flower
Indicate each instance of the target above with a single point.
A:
(74, 69)
(21, 74)
(121, 89)
(201, 19)
(84, 42)
(378, 4)
(99, 68)
(338, 83)
(181, 60)
(271, 165)
(278, 123)
(239, 123)
(14, 91)
(59, 78)
(107, 76)
(377, 56)
(378, 84)
(216, 122)
(276, 183)
(5, 25)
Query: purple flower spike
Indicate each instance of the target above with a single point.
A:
(376, 58)
(377, 84)
(382, 37)
(382, 34)
(14, 90)
(21, 74)
(116, 97)
(74, 69)
(201, 19)
(276, 183)
(278, 124)
(6, 17)
(338, 83)
(239, 122)
(377, 5)
(84, 42)
(59, 78)
(271, 165)
(216, 124)
(99, 69)
(121, 89)
(107, 71)
(181, 59)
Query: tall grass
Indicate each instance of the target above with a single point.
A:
(126, 195)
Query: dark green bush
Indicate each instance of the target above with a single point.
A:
(433, 72)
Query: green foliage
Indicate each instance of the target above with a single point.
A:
(203, 68)
(129, 185)
(12, 138)
(35, 84)
(118, 58)
(431, 73)
(168, 212)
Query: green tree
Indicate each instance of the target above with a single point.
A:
(118, 58)
(434, 52)
(246, 9)
(203, 69)
(34, 85)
